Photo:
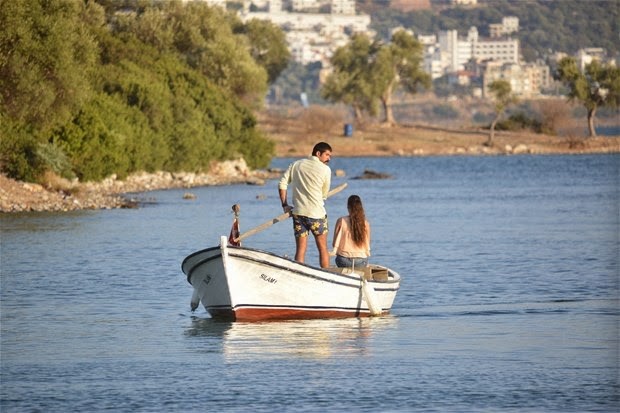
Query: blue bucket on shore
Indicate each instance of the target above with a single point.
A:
(348, 129)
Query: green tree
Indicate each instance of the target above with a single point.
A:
(267, 45)
(398, 64)
(47, 62)
(367, 72)
(597, 86)
(204, 36)
(351, 81)
(501, 93)
(87, 91)
(46, 57)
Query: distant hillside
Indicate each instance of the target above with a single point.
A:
(545, 26)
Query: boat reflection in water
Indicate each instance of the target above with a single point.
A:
(317, 338)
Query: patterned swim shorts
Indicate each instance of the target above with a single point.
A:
(303, 225)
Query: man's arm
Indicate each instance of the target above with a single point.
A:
(327, 182)
(283, 198)
(283, 185)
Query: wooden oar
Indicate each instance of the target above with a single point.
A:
(281, 217)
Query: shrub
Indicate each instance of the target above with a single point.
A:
(18, 152)
(519, 121)
(320, 119)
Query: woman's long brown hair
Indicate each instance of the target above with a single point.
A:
(357, 218)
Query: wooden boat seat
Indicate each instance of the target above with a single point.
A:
(369, 273)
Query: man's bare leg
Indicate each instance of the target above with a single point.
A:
(301, 244)
(321, 244)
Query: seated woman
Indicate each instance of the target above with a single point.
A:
(352, 236)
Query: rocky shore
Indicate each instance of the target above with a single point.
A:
(62, 195)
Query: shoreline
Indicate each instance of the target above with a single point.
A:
(59, 195)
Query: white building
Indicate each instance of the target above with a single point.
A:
(455, 51)
(314, 37)
(526, 80)
(343, 7)
(303, 5)
(506, 51)
(508, 26)
(275, 6)
(589, 54)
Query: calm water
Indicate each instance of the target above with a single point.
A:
(509, 299)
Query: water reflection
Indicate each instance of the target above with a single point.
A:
(38, 222)
(313, 339)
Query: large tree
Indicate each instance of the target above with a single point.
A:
(351, 81)
(366, 72)
(46, 53)
(501, 93)
(86, 91)
(399, 64)
(204, 37)
(267, 45)
(597, 86)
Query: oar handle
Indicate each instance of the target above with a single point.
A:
(281, 217)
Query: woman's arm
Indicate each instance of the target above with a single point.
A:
(337, 230)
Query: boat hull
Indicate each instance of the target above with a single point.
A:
(243, 284)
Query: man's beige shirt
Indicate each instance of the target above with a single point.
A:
(310, 180)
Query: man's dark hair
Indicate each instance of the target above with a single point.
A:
(321, 147)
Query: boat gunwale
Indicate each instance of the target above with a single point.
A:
(395, 279)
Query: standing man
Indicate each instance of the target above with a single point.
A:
(310, 178)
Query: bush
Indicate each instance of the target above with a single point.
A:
(320, 119)
(18, 152)
(519, 121)
(138, 96)
(55, 159)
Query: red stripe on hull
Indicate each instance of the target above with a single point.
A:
(260, 314)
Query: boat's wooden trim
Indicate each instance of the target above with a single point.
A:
(261, 313)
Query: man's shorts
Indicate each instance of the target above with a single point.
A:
(303, 225)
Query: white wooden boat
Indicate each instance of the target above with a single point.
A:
(245, 284)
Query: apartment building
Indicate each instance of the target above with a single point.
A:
(314, 36)
(589, 54)
(526, 80)
(455, 52)
(508, 26)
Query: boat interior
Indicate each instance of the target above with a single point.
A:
(370, 273)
